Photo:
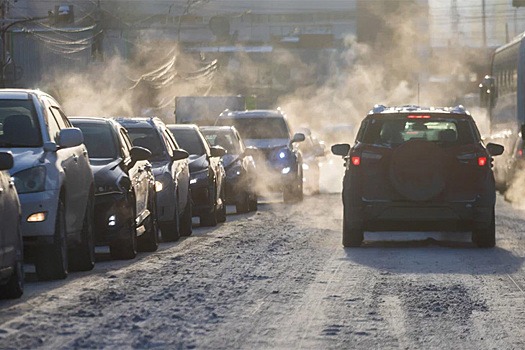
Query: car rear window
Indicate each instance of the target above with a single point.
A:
(223, 139)
(19, 125)
(99, 140)
(189, 140)
(395, 130)
(148, 138)
(258, 128)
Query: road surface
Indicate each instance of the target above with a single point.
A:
(280, 279)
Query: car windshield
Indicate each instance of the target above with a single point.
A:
(258, 128)
(189, 140)
(99, 140)
(224, 139)
(19, 125)
(149, 139)
(394, 131)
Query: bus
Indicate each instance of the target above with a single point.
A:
(503, 93)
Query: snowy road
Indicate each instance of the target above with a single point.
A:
(279, 278)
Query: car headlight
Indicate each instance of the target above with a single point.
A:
(199, 176)
(286, 170)
(30, 180)
(305, 166)
(161, 183)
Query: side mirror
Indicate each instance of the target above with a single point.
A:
(50, 146)
(217, 151)
(6, 161)
(523, 132)
(341, 149)
(179, 154)
(139, 153)
(298, 137)
(70, 137)
(494, 149)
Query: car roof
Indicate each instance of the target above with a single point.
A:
(91, 119)
(254, 113)
(138, 122)
(20, 94)
(225, 128)
(183, 126)
(389, 110)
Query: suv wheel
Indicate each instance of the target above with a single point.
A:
(221, 213)
(352, 237)
(82, 257)
(126, 249)
(149, 241)
(253, 202)
(185, 223)
(485, 238)
(170, 230)
(243, 204)
(51, 260)
(14, 288)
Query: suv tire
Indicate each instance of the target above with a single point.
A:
(126, 249)
(51, 260)
(485, 238)
(82, 257)
(186, 225)
(171, 230)
(243, 205)
(14, 288)
(352, 237)
(149, 241)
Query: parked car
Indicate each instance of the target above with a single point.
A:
(207, 174)
(54, 182)
(280, 166)
(125, 201)
(313, 153)
(11, 256)
(172, 174)
(415, 168)
(238, 164)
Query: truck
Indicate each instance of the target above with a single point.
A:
(204, 110)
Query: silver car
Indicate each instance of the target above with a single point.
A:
(11, 257)
(54, 181)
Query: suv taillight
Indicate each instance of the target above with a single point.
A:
(482, 161)
(355, 160)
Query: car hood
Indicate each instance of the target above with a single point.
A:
(159, 168)
(198, 162)
(266, 143)
(100, 167)
(24, 158)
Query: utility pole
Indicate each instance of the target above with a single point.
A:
(484, 23)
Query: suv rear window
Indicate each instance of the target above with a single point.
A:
(149, 139)
(19, 125)
(392, 130)
(258, 128)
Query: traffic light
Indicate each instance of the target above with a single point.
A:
(518, 3)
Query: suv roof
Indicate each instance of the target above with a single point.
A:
(255, 113)
(381, 109)
(139, 122)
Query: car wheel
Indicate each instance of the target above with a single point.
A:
(82, 257)
(149, 241)
(253, 202)
(185, 227)
(352, 237)
(126, 249)
(243, 204)
(170, 230)
(209, 219)
(486, 238)
(293, 193)
(14, 288)
(51, 259)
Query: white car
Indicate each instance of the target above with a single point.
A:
(54, 182)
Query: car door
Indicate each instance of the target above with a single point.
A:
(181, 171)
(3, 229)
(137, 173)
(74, 163)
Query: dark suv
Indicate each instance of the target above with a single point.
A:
(280, 165)
(415, 168)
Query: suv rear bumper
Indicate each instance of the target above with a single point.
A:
(415, 216)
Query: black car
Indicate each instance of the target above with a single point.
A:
(11, 256)
(172, 174)
(207, 174)
(125, 207)
(415, 168)
(280, 164)
(239, 165)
